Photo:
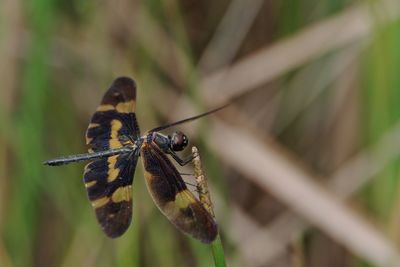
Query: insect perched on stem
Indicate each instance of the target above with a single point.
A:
(115, 145)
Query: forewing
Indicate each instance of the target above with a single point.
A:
(108, 182)
(172, 197)
(114, 122)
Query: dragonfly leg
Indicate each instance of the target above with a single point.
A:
(180, 161)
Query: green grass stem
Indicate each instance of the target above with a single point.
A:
(218, 252)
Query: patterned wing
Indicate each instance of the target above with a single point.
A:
(172, 197)
(108, 181)
(114, 122)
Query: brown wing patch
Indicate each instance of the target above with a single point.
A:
(171, 196)
(115, 218)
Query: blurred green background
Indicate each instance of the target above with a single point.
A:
(315, 84)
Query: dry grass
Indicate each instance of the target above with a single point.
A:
(303, 165)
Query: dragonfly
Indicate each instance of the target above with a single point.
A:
(115, 142)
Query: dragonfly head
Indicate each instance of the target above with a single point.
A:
(178, 141)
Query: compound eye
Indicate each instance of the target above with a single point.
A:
(179, 141)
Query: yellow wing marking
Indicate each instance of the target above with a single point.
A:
(116, 125)
(122, 194)
(123, 107)
(148, 177)
(126, 107)
(106, 107)
(112, 170)
(93, 125)
(90, 184)
(183, 199)
(98, 203)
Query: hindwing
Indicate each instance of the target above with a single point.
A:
(172, 197)
(108, 182)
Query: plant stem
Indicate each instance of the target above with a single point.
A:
(205, 199)
(218, 252)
